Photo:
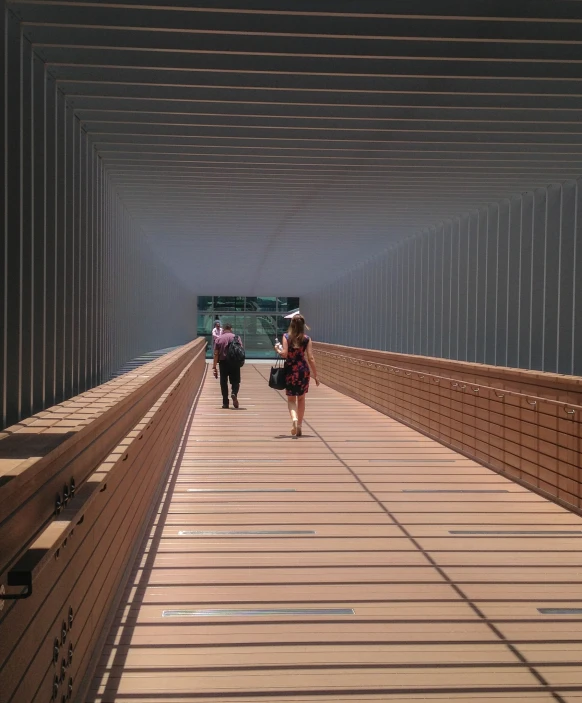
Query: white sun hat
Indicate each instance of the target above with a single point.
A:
(292, 314)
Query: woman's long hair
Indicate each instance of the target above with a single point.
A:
(296, 331)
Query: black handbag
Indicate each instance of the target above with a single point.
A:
(277, 377)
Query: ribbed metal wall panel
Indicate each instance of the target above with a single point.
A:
(81, 292)
(501, 285)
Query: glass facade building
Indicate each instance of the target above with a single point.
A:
(258, 320)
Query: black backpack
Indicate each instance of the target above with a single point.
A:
(235, 354)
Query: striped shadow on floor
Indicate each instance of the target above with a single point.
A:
(317, 569)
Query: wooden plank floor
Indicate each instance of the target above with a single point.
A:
(360, 562)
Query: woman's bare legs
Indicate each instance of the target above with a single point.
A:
(292, 407)
(300, 409)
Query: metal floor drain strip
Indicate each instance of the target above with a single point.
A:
(254, 612)
(560, 611)
(447, 490)
(233, 460)
(221, 441)
(378, 440)
(515, 532)
(414, 461)
(241, 490)
(247, 532)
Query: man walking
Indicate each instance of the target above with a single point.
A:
(229, 369)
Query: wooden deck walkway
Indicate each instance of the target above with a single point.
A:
(361, 562)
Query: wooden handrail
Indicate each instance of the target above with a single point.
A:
(456, 384)
(57, 533)
(66, 579)
(524, 424)
(34, 516)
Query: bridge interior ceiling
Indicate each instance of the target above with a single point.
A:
(280, 143)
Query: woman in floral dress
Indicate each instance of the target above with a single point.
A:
(297, 350)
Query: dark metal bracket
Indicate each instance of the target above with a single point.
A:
(16, 578)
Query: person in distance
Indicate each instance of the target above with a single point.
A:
(216, 332)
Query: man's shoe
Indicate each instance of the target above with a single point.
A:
(225, 407)
(234, 400)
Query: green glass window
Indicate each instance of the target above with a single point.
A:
(205, 303)
(261, 304)
(258, 320)
(227, 303)
(287, 304)
(259, 335)
(205, 324)
(282, 326)
(267, 304)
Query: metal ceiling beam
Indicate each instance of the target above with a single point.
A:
(274, 130)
